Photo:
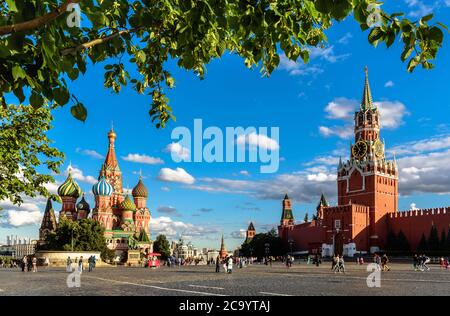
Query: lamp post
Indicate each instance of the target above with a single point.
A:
(267, 245)
(291, 243)
(72, 239)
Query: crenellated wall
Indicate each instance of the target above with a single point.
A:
(414, 223)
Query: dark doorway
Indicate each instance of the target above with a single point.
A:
(339, 243)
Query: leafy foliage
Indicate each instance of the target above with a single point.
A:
(162, 246)
(85, 234)
(40, 52)
(256, 246)
(24, 146)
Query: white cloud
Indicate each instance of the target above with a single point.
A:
(169, 210)
(345, 39)
(178, 150)
(258, 140)
(77, 174)
(341, 109)
(326, 53)
(389, 84)
(244, 173)
(175, 175)
(175, 229)
(143, 159)
(422, 146)
(238, 234)
(23, 218)
(413, 207)
(298, 68)
(90, 153)
(391, 113)
(418, 8)
(321, 177)
(391, 116)
(165, 189)
(343, 132)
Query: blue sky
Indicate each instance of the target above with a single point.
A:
(311, 104)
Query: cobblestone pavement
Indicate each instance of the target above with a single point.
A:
(254, 280)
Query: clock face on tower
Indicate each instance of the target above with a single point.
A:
(359, 150)
(378, 148)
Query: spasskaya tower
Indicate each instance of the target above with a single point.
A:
(368, 178)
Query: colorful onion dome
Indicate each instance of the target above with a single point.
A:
(127, 204)
(83, 205)
(69, 188)
(102, 187)
(140, 190)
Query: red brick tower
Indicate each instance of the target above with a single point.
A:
(368, 178)
(287, 218)
(251, 232)
(223, 251)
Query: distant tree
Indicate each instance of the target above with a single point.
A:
(423, 244)
(433, 241)
(403, 243)
(391, 242)
(306, 218)
(84, 235)
(443, 241)
(162, 246)
(447, 248)
(257, 246)
(314, 217)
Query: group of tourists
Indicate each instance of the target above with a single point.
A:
(421, 262)
(382, 262)
(227, 264)
(28, 264)
(80, 264)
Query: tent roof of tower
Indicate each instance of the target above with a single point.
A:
(323, 201)
(49, 219)
(367, 102)
(251, 227)
(143, 237)
(111, 159)
(286, 197)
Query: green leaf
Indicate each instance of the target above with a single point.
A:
(18, 72)
(436, 34)
(323, 6)
(61, 95)
(375, 34)
(445, 27)
(12, 5)
(79, 111)
(36, 100)
(425, 19)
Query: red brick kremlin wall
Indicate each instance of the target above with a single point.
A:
(415, 223)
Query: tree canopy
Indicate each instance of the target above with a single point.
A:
(162, 246)
(41, 53)
(84, 235)
(256, 247)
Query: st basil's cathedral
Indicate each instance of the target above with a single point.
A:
(125, 219)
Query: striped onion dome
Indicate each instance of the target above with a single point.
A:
(102, 187)
(127, 204)
(69, 188)
(140, 190)
(83, 205)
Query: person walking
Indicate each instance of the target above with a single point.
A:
(90, 264)
(80, 265)
(69, 265)
(47, 262)
(230, 265)
(384, 263)
(217, 264)
(34, 264)
(24, 263)
(416, 262)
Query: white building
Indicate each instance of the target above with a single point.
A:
(20, 250)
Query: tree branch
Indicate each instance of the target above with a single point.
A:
(38, 22)
(75, 49)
